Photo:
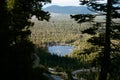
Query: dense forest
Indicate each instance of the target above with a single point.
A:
(27, 31)
(87, 37)
(60, 29)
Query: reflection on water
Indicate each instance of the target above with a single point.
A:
(60, 50)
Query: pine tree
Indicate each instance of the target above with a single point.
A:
(110, 11)
(17, 49)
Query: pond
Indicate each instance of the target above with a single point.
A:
(60, 50)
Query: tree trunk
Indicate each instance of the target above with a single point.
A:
(106, 55)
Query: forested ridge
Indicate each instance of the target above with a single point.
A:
(27, 31)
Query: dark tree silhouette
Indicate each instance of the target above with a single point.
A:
(107, 49)
(16, 48)
(110, 11)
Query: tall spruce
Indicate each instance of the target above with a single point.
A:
(103, 39)
(107, 49)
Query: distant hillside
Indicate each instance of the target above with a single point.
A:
(69, 9)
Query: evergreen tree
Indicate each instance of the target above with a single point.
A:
(16, 48)
(110, 11)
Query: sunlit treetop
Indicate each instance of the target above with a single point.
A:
(10, 4)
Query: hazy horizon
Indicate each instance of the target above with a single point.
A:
(69, 3)
(63, 3)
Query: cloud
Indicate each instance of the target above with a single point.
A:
(65, 2)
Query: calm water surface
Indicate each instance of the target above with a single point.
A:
(60, 50)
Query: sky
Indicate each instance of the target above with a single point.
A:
(69, 2)
(64, 3)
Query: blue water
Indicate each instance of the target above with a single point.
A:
(69, 9)
(60, 50)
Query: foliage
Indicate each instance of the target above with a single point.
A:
(105, 38)
(14, 33)
(83, 17)
(38, 73)
(88, 75)
(59, 29)
(62, 30)
(60, 62)
(99, 6)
